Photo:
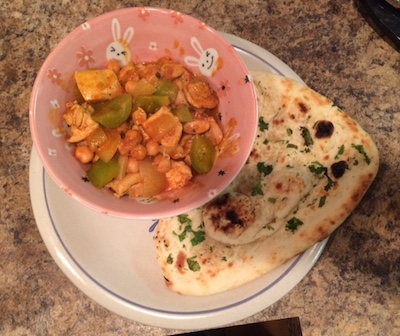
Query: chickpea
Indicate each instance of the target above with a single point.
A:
(139, 152)
(132, 166)
(162, 163)
(152, 148)
(84, 154)
(134, 136)
(178, 153)
(130, 86)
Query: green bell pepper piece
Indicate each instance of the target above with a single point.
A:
(151, 104)
(183, 113)
(167, 88)
(144, 88)
(202, 154)
(113, 112)
(100, 172)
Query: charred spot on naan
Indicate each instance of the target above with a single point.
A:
(301, 106)
(180, 262)
(324, 129)
(254, 155)
(339, 168)
(230, 215)
(277, 122)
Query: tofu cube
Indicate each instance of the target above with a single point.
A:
(98, 85)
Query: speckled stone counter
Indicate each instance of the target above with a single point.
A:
(353, 288)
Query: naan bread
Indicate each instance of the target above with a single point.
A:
(310, 166)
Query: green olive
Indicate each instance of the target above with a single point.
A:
(202, 154)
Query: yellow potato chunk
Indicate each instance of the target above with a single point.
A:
(98, 85)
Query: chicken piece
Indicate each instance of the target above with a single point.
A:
(78, 117)
(215, 133)
(198, 93)
(128, 74)
(180, 97)
(121, 187)
(150, 71)
(186, 143)
(179, 175)
(139, 116)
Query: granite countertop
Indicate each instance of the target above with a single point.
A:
(354, 287)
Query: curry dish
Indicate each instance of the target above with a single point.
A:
(145, 128)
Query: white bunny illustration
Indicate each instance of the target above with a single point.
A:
(119, 50)
(207, 61)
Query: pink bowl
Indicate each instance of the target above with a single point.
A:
(145, 34)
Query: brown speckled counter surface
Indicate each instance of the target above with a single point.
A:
(353, 288)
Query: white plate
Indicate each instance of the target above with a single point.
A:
(112, 260)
